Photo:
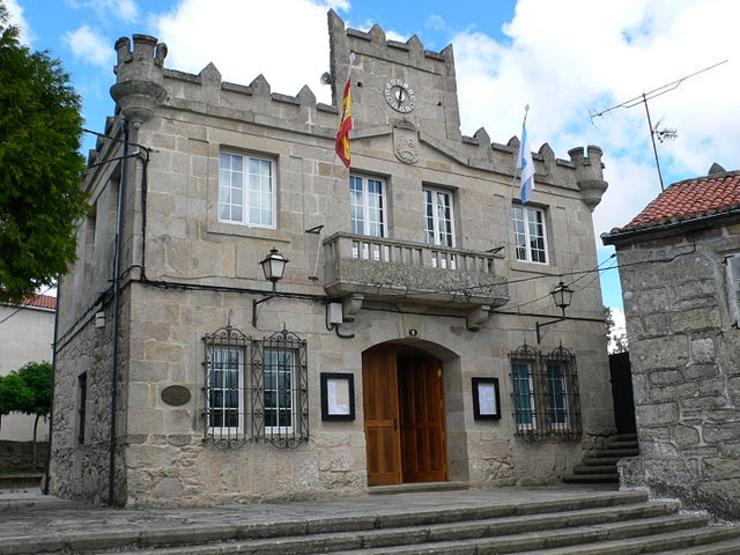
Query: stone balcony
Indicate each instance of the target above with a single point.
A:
(378, 269)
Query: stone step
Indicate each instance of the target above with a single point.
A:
(623, 437)
(593, 469)
(615, 453)
(610, 445)
(501, 535)
(20, 481)
(418, 487)
(599, 461)
(609, 505)
(728, 547)
(606, 478)
(694, 541)
(568, 541)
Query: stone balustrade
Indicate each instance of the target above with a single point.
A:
(386, 269)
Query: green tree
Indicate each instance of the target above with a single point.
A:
(37, 377)
(14, 394)
(40, 167)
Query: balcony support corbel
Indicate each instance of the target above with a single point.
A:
(351, 305)
(477, 316)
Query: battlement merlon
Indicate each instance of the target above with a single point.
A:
(138, 89)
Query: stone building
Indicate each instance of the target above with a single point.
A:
(399, 346)
(26, 335)
(680, 271)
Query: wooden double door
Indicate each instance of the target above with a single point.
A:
(403, 401)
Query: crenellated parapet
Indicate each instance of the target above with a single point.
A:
(143, 85)
(138, 89)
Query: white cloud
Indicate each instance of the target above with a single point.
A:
(619, 330)
(127, 10)
(90, 46)
(285, 41)
(567, 61)
(15, 16)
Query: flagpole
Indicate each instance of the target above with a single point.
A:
(516, 158)
(332, 180)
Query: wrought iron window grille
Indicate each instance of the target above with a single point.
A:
(255, 390)
(545, 395)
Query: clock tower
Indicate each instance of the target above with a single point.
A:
(394, 82)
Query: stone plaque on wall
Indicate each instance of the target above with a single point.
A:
(176, 395)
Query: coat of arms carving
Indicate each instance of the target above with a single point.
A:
(406, 142)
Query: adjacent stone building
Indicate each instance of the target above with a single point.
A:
(399, 346)
(680, 271)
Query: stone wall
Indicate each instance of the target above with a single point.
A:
(685, 368)
(77, 470)
(167, 460)
(19, 454)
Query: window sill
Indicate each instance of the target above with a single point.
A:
(240, 230)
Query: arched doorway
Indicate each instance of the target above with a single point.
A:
(403, 402)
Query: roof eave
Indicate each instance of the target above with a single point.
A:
(619, 238)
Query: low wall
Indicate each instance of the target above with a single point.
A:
(19, 454)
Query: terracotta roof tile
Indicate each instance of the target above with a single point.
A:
(42, 301)
(690, 199)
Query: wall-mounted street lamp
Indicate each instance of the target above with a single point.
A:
(562, 296)
(273, 266)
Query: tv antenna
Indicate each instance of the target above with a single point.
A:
(662, 134)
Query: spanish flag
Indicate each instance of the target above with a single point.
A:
(345, 124)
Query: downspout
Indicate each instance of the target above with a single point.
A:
(45, 489)
(117, 314)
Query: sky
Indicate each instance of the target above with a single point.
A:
(566, 59)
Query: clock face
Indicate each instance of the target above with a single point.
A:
(400, 96)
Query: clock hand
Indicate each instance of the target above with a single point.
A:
(400, 96)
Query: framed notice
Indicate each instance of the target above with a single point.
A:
(486, 404)
(337, 396)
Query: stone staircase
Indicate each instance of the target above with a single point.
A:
(600, 466)
(20, 480)
(590, 523)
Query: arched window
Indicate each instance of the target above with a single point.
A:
(255, 390)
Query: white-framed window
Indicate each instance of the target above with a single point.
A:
(530, 234)
(439, 219)
(367, 205)
(733, 285)
(280, 390)
(246, 190)
(525, 412)
(226, 390)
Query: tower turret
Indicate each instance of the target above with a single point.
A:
(589, 174)
(138, 89)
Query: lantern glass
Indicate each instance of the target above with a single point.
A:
(273, 266)
(562, 295)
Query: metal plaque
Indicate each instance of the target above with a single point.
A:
(176, 395)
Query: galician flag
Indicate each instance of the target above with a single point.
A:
(525, 165)
(345, 124)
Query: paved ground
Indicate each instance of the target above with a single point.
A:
(24, 514)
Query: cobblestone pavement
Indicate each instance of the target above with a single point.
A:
(25, 514)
